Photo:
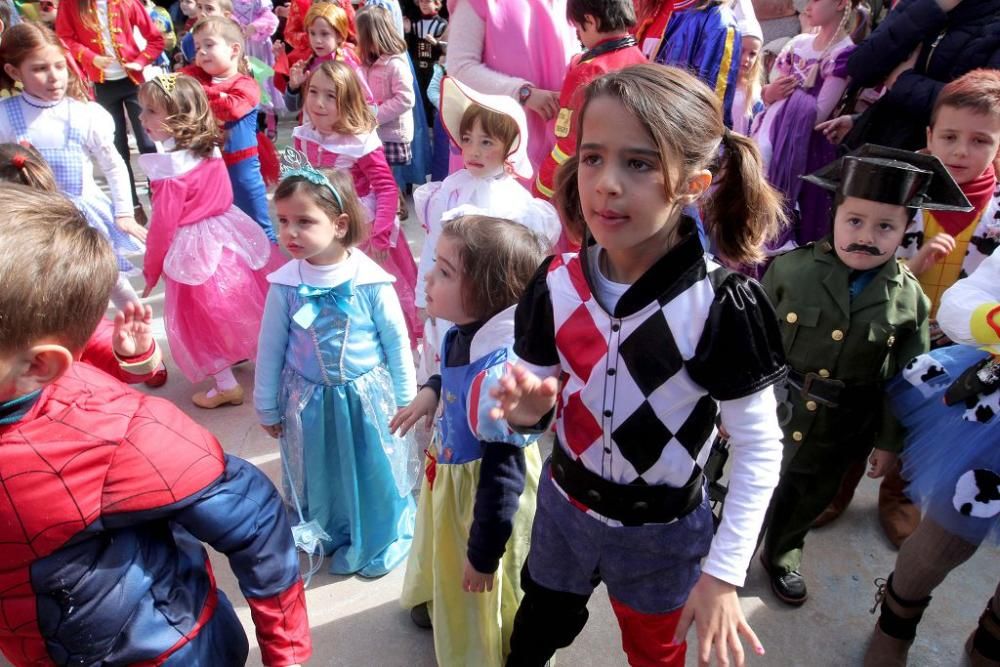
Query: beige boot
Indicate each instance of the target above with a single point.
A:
(895, 629)
(983, 647)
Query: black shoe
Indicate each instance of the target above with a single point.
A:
(790, 587)
(421, 616)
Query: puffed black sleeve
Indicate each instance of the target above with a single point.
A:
(740, 350)
(534, 326)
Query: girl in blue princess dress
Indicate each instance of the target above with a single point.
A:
(333, 365)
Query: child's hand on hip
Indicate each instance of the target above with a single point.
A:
(715, 610)
(474, 581)
(133, 332)
(522, 397)
(423, 405)
(881, 463)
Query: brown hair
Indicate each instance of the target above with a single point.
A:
(189, 117)
(227, 29)
(86, 11)
(20, 40)
(354, 114)
(26, 166)
(978, 91)
(325, 199)
(377, 35)
(498, 258)
(684, 118)
(497, 125)
(56, 270)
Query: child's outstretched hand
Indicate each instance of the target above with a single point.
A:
(836, 129)
(273, 430)
(933, 251)
(522, 397)
(881, 463)
(423, 405)
(474, 581)
(714, 608)
(297, 75)
(127, 224)
(133, 332)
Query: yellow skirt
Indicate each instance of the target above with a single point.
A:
(469, 628)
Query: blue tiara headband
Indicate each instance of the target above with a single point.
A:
(294, 163)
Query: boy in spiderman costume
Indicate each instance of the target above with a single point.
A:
(108, 494)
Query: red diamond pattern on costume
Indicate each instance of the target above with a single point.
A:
(581, 342)
(581, 429)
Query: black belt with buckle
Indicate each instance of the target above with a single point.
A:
(631, 504)
(814, 387)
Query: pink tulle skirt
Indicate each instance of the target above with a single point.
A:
(216, 283)
(399, 262)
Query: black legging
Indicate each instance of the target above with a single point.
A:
(117, 97)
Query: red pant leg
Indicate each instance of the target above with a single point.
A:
(648, 638)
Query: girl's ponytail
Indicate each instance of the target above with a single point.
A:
(743, 210)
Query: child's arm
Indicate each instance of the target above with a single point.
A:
(141, 19)
(391, 326)
(235, 102)
(403, 97)
(434, 86)
(833, 87)
(100, 145)
(423, 201)
(126, 349)
(379, 174)
(264, 24)
(168, 196)
(970, 309)
(66, 31)
(271, 346)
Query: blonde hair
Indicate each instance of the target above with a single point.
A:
(354, 114)
(684, 118)
(347, 203)
(226, 28)
(189, 118)
(751, 82)
(377, 35)
(56, 270)
(332, 14)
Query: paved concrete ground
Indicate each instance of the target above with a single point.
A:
(359, 623)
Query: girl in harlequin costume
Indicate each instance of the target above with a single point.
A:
(339, 133)
(345, 472)
(807, 81)
(53, 115)
(637, 344)
(233, 97)
(489, 130)
(477, 500)
(259, 22)
(211, 254)
(948, 401)
(328, 30)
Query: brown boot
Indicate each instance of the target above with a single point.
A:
(897, 514)
(983, 647)
(845, 494)
(895, 629)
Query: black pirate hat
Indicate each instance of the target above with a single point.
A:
(893, 176)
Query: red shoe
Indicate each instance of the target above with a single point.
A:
(158, 380)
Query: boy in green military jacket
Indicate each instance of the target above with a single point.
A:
(851, 318)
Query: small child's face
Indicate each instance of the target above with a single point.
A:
(209, 8)
(321, 103)
(866, 233)
(444, 283)
(429, 7)
(323, 39)
(43, 73)
(307, 231)
(47, 10)
(482, 154)
(965, 141)
(749, 52)
(214, 54)
(154, 121)
(189, 8)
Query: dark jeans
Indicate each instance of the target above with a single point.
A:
(118, 97)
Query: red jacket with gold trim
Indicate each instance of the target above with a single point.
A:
(86, 41)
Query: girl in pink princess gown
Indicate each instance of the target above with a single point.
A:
(214, 259)
(338, 132)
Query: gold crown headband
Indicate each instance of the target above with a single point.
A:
(167, 82)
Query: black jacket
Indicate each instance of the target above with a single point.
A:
(950, 45)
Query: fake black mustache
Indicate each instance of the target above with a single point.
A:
(867, 249)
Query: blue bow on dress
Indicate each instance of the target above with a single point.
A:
(341, 295)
